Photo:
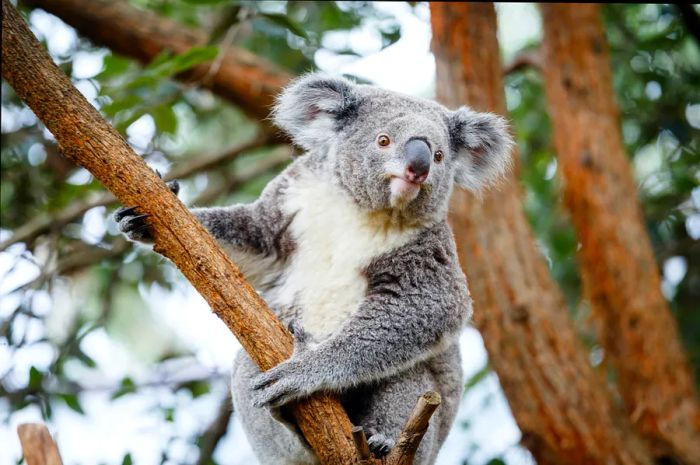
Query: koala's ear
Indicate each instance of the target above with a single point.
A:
(314, 107)
(481, 144)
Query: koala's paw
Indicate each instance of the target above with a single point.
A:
(134, 225)
(291, 379)
(379, 444)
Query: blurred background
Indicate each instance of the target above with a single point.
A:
(111, 347)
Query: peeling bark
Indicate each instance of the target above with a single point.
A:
(620, 275)
(561, 406)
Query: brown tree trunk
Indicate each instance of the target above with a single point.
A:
(561, 406)
(88, 140)
(248, 81)
(620, 276)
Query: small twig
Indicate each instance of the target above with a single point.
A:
(215, 432)
(358, 435)
(416, 426)
(37, 445)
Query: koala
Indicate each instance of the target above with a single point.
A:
(350, 247)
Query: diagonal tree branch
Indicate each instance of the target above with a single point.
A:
(87, 139)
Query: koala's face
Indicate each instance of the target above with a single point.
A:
(392, 152)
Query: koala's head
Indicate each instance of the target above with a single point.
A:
(392, 152)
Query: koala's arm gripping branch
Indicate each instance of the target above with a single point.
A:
(87, 139)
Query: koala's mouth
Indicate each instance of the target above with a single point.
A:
(402, 191)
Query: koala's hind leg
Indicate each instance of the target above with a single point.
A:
(272, 441)
(382, 409)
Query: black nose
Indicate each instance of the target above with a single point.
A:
(418, 158)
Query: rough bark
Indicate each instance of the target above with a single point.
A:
(561, 406)
(88, 140)
(243, 78)
(620, 276)
(38, 447)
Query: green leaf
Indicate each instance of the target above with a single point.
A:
(86, 359)
(127, 387)
(169, 414)
(35, 379)
(477, 377)
(165, 119)
(71, 401)
(127, 102)
(196, 388)
(127, 460)
(496, 461)
(113, 65)
(189, 59)
(286, 22)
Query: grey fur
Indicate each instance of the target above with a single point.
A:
(401, 338)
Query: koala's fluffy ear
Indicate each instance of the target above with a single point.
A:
(482, 146)
(314, 107)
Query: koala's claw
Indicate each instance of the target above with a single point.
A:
(124, 212)
(279, 385)
(133, 225)
(174, 186)
(379, 444)
(291, 379)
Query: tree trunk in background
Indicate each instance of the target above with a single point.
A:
(561, 406)
(250, 82)
(620, 275)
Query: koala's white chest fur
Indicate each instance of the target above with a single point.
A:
(335, 241)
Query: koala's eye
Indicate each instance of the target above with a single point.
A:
(383, 140)
(438, 156)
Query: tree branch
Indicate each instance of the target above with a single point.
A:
(87, 255)
(691, 19)
(361, 446)
(89, 141)
(38, 447)
(416, 426)
(215, 432)
(242, 78)
(49, 221)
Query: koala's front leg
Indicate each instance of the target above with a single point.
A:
(416, 304)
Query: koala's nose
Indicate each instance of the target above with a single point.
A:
(418, 156)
